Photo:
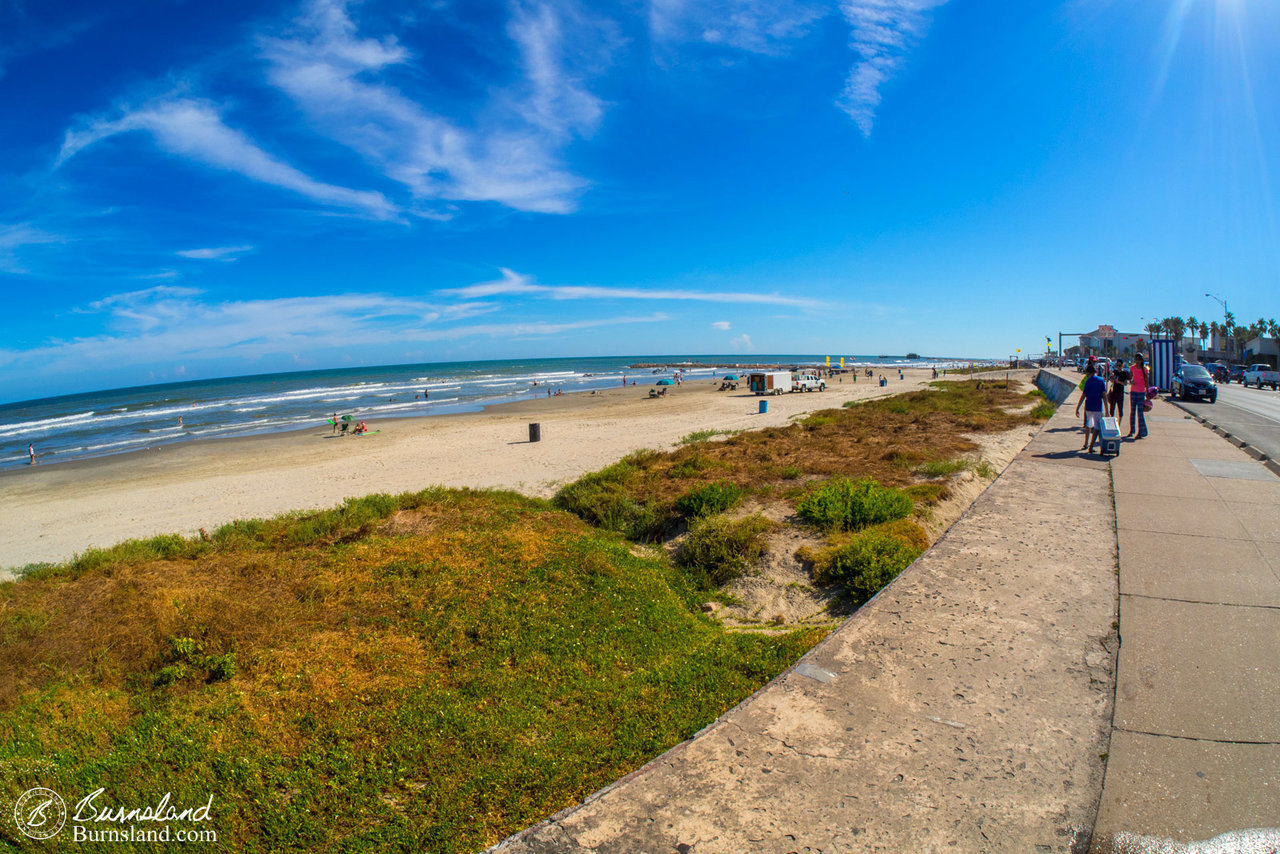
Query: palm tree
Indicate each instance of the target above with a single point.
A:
(1193, 326)
(1204, 333)
(1241, 334)
(1272, 329)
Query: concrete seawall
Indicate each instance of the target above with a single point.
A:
(1056, 388)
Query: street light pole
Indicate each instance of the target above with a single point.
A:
(1230, 338)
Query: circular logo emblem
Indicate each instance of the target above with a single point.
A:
(40, 813)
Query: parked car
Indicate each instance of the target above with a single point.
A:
(1237, 374)
(1218, 371)
(1193, 381)
(1261, 374)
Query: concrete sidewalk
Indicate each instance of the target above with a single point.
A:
(1195, 750)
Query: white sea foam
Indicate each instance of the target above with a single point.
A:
(46, 424)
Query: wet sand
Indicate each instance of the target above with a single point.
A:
(57, 511)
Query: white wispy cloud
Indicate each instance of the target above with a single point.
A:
(517, 284)
(722, 325)
(742, 344)
(194, 129)
(882, 33)
(758, 26)
(15, 237)
(532, 329)
(217, 253)
(167, 324)
(560, 46)
(336, 78)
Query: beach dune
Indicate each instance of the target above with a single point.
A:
(57, 511)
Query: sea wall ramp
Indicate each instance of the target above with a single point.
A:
(967, 707)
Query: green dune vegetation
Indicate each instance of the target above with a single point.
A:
(436, 670)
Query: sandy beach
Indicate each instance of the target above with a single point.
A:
(56, 511)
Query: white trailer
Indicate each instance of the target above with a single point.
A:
(770, 382)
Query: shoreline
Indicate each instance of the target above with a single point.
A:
(65, 508)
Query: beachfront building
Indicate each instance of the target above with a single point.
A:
(1107, 341)
(1261, 349)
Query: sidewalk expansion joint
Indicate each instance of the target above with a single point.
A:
(1244, 539)
(1200, 601)
(1193, 738)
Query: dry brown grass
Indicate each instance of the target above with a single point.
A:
(884, 439)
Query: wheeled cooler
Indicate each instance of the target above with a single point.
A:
(1109, 438)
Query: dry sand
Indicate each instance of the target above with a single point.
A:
(56, 511)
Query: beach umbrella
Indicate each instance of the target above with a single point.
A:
(348, 418)
(733, 378)
(665, 382)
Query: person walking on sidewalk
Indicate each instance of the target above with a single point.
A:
(1115, 396)
(1091, 396)
(1139, 382)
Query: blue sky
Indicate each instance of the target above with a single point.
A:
(193, 189)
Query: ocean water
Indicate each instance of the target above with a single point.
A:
(117, 421)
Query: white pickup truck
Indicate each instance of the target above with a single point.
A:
(1261, 375)
(806, 381)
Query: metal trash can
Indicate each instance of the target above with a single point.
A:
(764, 407)
(535, 432)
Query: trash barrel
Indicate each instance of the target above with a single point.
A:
(764, 407)
(535, 432)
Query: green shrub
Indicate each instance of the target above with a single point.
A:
(867, 563)
(604, 499)
(905, 531)
(694, 466)
(1044, 408)
(928, 494)
(709, 499)
(704, 435)
(846, 505)
(719, 549)
(187, 659)
(942, 468)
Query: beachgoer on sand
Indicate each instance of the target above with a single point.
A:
(335, 422)
(31, 452)
(1091, 396)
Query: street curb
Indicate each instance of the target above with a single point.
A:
(1272, 465)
